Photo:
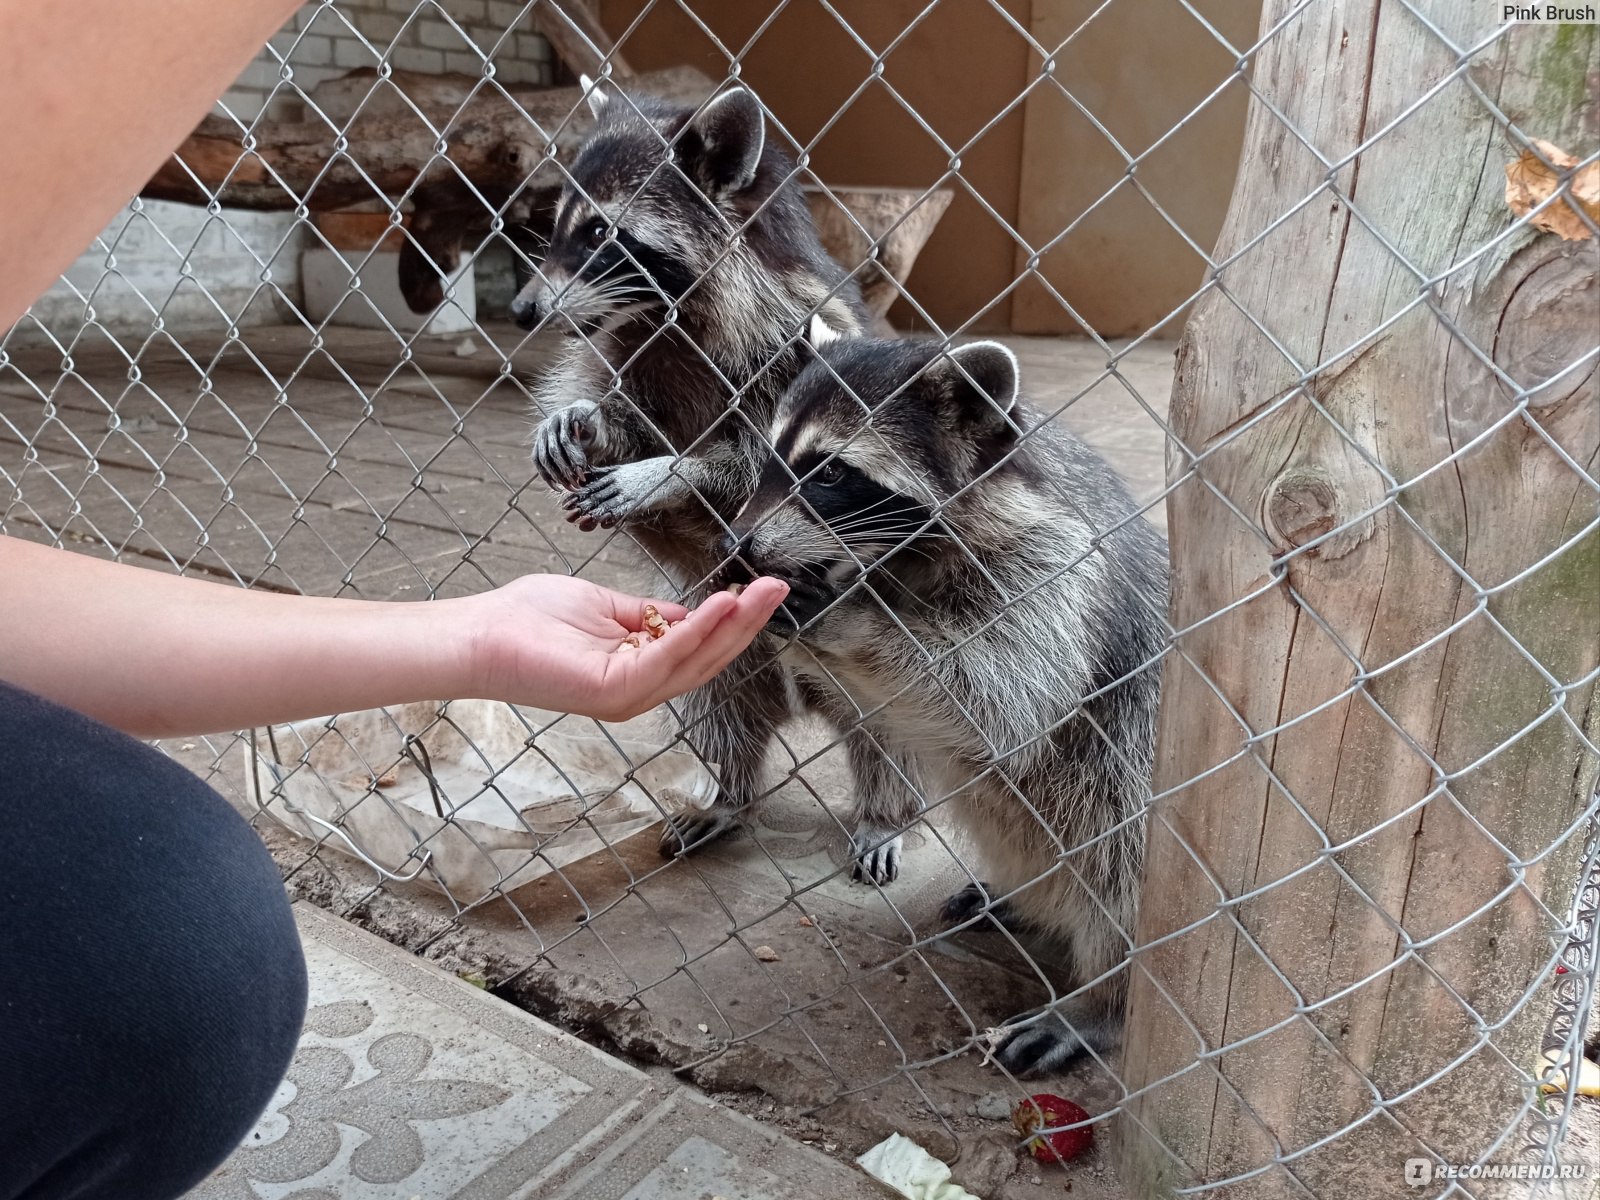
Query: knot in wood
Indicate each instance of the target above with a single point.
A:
(1303, 504)
(1548, 324)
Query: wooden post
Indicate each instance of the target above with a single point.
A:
(1349, 456)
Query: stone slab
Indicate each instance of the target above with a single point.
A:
(411, 1083)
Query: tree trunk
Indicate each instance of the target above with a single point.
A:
(1391, 715)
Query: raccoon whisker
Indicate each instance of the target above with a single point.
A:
(866, 508)
(890, 521)
(865, 516)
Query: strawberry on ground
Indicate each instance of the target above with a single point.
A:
(1046, 1111)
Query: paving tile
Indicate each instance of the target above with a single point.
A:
(410, 1083)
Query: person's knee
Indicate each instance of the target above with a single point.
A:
(155, 985)
(218, 1002)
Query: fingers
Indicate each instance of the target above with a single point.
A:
(706, 642)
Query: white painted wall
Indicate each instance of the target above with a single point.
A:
(199, 272)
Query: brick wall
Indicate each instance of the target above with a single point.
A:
(134, 270)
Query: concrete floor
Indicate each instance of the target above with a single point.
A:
(754, 971)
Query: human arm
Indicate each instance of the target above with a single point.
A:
(159, 655)
(96, 96)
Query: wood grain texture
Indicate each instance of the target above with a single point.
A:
(578, 39)
(1396, 769)
(897, 222)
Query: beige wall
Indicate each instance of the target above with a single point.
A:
(1139, 68)
(959, 69)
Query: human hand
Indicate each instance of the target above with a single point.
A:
(552, 641)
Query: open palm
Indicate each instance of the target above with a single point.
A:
(552, 641)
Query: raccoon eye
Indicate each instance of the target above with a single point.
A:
(830, 473)
(595, 233)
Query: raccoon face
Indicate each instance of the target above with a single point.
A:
(872, 443)
(640, 219)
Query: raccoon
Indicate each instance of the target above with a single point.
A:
(974, 594)
(684, 261)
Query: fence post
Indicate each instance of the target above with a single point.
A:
(1346, 684)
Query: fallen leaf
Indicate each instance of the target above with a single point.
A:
(1530, 182)
(766, 954)
(807, 922)
(1588, 1075)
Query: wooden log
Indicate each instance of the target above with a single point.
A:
(574, 33)
(1303, 687)
(850, 220)
(373, 144)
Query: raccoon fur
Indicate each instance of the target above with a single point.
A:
(684, 262)
(977, 601)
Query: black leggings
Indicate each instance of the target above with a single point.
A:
(151, 980)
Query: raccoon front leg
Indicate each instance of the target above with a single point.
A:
(610, 494)
(885, 804)
(978, 898)
(731, 721)
(715, 478)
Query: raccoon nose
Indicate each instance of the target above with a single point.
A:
(525, 309)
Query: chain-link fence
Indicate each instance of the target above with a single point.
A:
(1329, 933)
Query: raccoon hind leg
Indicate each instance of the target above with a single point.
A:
(731, 722)
(1054, 1035)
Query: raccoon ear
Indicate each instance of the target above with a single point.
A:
(597, 97)
(732, 134)
(818, 334)
(982, 381)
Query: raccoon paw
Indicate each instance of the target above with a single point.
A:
(693, 829)
(877, 855)
(563, 443)
(1045, 1046)
(966, 904)
(610, 494)
(975, 900)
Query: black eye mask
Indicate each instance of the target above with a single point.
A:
(860, 510)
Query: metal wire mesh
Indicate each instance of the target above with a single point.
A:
(175, 402)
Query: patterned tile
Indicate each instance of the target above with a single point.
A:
(411, 1084)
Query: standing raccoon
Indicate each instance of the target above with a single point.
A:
(976, 596)
(685, 258)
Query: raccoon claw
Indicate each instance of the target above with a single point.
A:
(597, 502)
(1039, 1049)
(689, 831)
(876, 860)
(562, 445)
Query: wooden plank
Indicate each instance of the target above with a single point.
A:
(496, 140)
(1324, 966)
(1139, 71)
